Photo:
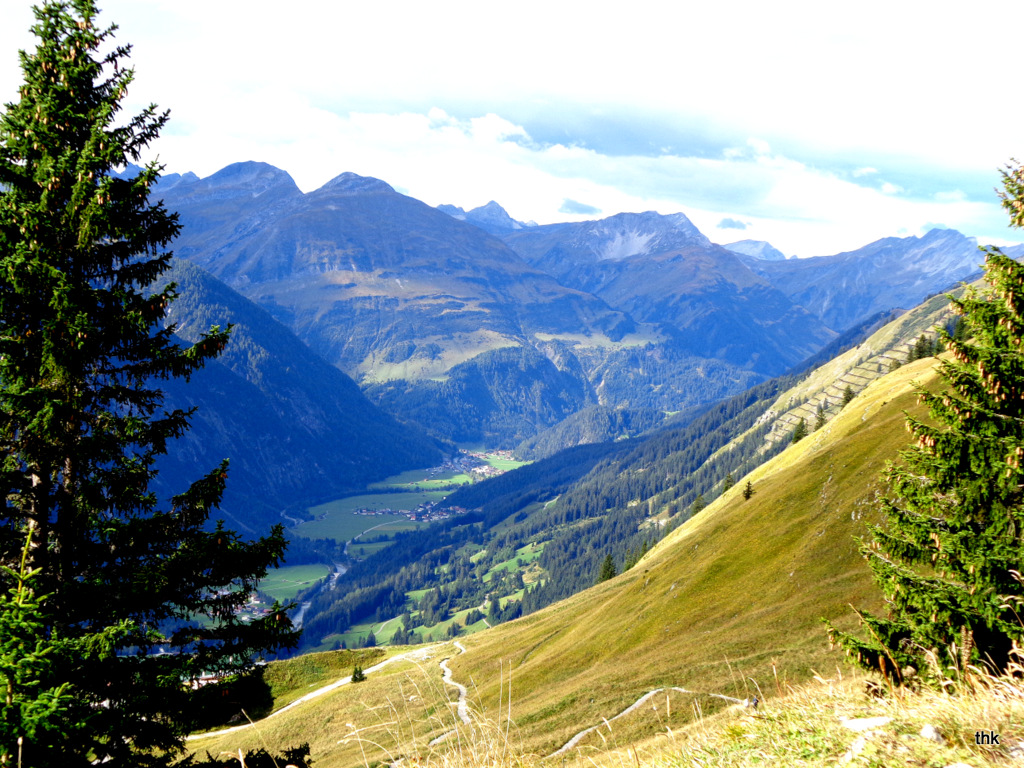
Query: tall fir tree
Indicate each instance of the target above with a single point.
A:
(848, 395)
(820, 418)
(141, 597)
(949, 554)
(799, 431)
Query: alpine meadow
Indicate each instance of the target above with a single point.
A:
(327, 475)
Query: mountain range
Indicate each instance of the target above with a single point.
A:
(480, 328)
(889, 273)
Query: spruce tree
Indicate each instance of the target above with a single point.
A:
(141, 595)
(949, 554)
(698, 504)
(35, 707)
(848, 395)
(820, 418)
(748, 491)
(799, 431)
(607, 569)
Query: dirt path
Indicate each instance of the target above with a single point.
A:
(420, 654)
(462, 707)
(632, 708)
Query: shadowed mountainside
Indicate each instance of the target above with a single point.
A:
(297, 430)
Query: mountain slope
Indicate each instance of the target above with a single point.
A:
(744, 584)
(296, 429)
(435, 317)
(661, 269)
(359, 271)
(611, 500)
(890, 273)
(729, 604)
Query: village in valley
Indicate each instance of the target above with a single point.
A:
(465, 466)
(425, 512)
(403, 502)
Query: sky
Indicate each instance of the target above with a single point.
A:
(819, 127)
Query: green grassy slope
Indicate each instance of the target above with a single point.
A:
(724, 604)
(397, 709)
(736, 591)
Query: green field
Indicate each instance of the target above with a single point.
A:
(358, 549)
(425, 479)
(526, 554)
(503, 464)
(284, 583)
(334, 520)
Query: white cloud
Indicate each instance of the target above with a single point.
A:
(440, 159)
(425, 97)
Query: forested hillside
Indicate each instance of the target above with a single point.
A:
(582, 504)
(600, 506)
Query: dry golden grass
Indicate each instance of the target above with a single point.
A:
(400, 707)
(826, 722)
(817, 724)
(729, 599)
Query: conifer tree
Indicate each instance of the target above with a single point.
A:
(35, 708)
(698, 504)
(949, 554)
(748, 491)
(494, 608)
(847, 396)
(607, 569)
(799, 431)
(820, 420)
(141, 595)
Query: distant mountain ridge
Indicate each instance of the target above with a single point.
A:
(490, 217)
(890, 273)
(759, 249)
(557, 248)
(422, 309)
(661, 269)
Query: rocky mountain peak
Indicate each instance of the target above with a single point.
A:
(490, 218)
(452, 210)
(254, 177)
(354, 184)
(757, 249)
(494, 215)
(636, 234)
